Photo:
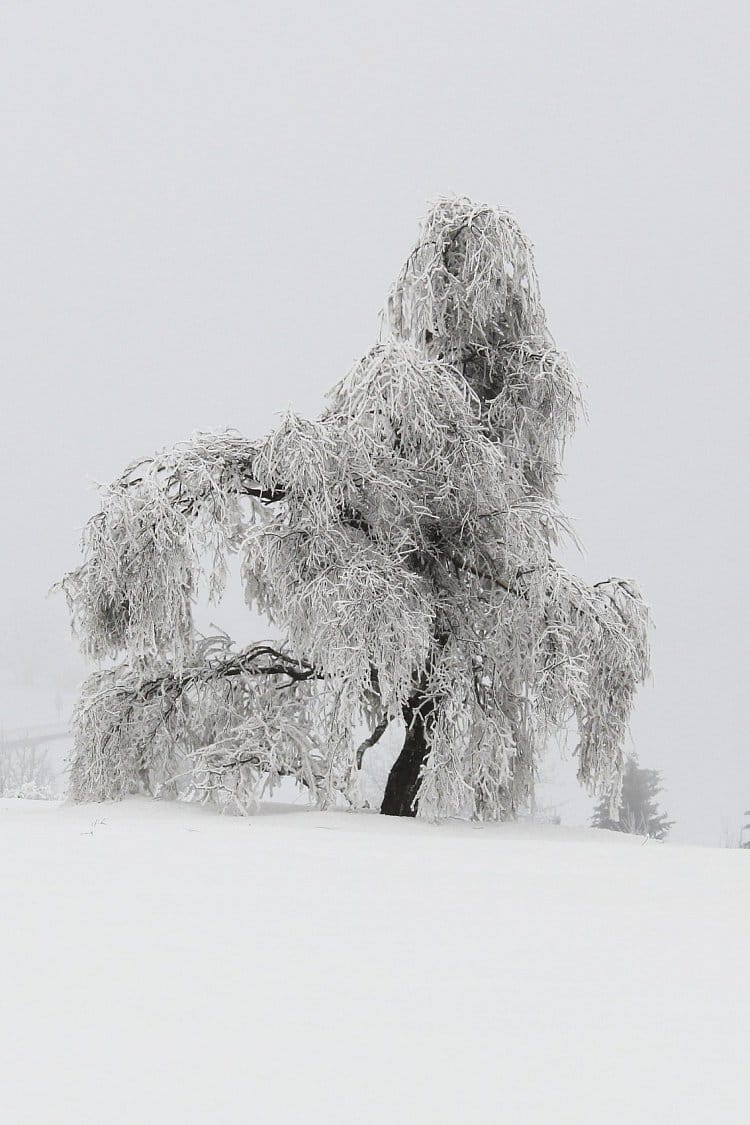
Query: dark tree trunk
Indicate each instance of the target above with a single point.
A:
(400, 798)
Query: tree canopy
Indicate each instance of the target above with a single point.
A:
(401, 544)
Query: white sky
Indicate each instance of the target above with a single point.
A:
(202, 207)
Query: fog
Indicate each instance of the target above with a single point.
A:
(203, 207)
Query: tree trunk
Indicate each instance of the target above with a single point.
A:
(400, 798)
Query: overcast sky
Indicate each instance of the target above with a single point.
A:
(202, 208)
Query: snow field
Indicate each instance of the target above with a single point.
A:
(162, 963)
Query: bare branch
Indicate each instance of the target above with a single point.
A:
(371, 740)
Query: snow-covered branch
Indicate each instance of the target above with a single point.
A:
(248, 712)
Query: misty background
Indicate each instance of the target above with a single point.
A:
(202, 207)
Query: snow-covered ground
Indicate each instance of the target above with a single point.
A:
(163, 963)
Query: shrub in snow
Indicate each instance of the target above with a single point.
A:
(25, 772)
(402, 543)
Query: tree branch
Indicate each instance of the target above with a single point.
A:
(256, 660)
(369, 742)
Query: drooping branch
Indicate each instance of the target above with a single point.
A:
(132, 731)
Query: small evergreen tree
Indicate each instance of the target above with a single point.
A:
(638, 811)
(403, 545)
(745, 832)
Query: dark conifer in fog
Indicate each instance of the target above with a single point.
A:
(638, 811)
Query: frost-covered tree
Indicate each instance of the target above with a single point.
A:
(638, 810)
(402, 544)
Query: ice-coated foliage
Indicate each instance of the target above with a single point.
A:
(225, 728)
(469, 282)
(164, 522)
(401, 543)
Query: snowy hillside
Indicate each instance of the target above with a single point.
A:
(164, 963)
